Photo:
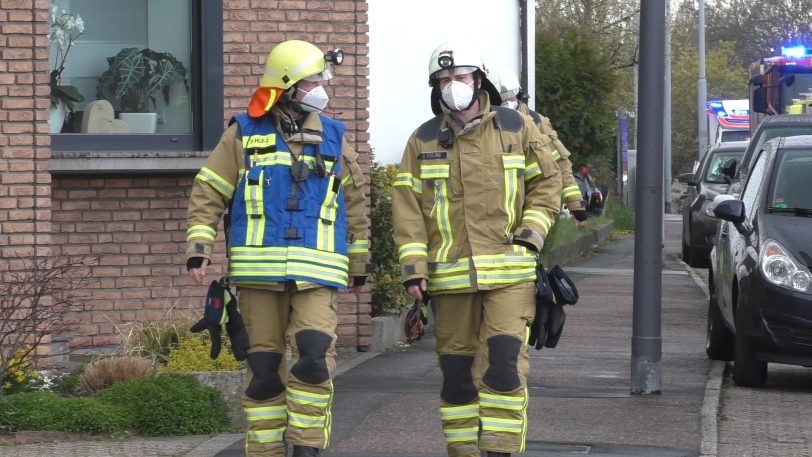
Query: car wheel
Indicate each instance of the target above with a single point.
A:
(747, 370)
(685, 251)
(719, 342)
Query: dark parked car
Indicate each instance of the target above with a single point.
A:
(760, 306)
(781, 125)
(698, 222)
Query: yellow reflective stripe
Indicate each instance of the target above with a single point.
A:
(329, 207)
(429, 171)
(500, 261)
(531, 171)
(570, 192)
(443, 220)
(556, 155)
(259, 141)
(538, 218)
(494, 424)
(325, 236)
(513, 161)
(487, 400)
(273, 435)
(332, 259)
(406, 179)
(201, 231)
(511, 192)
(219, 184)
(358, 247)
(450, 283)
(347, 180)
(254, 209)
(308, 398)
(316, 272)
(415, 249)
(524, 420)
(272, 158)
(459, 412)
(450, 276)
(258, 253)
(266, 413)
(305, 421)
(455, 435)
(328, 416)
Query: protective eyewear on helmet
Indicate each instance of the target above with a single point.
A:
(509, 94)
(457, 71)
(325, 75)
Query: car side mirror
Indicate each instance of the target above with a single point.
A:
(760, 104)
(729, 169)
(687, 178)
(732, 211)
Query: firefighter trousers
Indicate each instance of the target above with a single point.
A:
(288, 405)
(481, 344)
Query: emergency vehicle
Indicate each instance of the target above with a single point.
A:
(781, 84)
(728, 120)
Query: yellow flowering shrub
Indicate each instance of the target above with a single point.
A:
(20, 373)
(192, 354)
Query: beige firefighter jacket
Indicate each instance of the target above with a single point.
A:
(227, 162)
(570, 194)
(459, 210)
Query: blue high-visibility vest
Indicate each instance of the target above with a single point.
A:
(288, 220)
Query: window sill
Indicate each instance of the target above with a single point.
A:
(95, 162)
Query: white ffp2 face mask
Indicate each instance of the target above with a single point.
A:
(315, 100)
(458, 95)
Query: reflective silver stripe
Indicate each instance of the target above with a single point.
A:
(454, 435)
(266, 413)
(502, 425)
(500, 402)
(273, 435)
(459, 412)
(305, 421)
(219, 184)
(306, 398)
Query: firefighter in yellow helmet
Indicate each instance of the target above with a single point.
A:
(297, 236)
(476, 192)
(510, 91)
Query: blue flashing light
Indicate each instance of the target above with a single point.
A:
(796, 52)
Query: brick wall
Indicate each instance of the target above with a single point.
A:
(134, 225)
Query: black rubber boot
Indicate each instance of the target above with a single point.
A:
(497, 454)
(305, 451)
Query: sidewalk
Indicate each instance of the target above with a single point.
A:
(386, 404)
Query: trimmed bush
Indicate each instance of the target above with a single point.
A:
(192, 354)
(103, 373)
(49, 411)
(170, 404)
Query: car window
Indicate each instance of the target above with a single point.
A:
(768, 134)
(714, 173)
(735, 135)
(753, 184)
(791, 184)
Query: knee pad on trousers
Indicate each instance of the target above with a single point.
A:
(265, 382)
(312, 364)
(502, 374)
(458, 385)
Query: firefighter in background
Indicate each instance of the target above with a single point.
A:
(507, 83)
(298, 234)
(476, 192)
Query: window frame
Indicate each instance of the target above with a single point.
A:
(207, 84)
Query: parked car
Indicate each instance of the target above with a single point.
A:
(760, 306)
(698, 222)
(781, 125)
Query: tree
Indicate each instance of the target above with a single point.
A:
(726, 79)
(574, 88)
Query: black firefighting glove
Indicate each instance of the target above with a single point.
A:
(221, 308)
(579, 214)
(544, 299)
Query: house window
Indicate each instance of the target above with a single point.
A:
(137, 65)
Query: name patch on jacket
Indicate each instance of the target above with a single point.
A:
(259, 141)
(433, 155)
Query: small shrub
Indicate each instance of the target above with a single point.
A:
(155, 339)
(49, 411)
(69, 384)
(192, 354)
(20, 374)
(389, 295)
(622, 215)
(170, 404)
(103, 373)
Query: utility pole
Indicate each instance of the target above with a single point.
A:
(648, 263)
(667, 112)
(702, 87)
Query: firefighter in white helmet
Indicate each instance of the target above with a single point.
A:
(298, 235)
(476, 192)
(510, 91)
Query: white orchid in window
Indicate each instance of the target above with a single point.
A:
(65, 29)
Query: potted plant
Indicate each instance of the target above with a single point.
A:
(65, 30)
(135, 77)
